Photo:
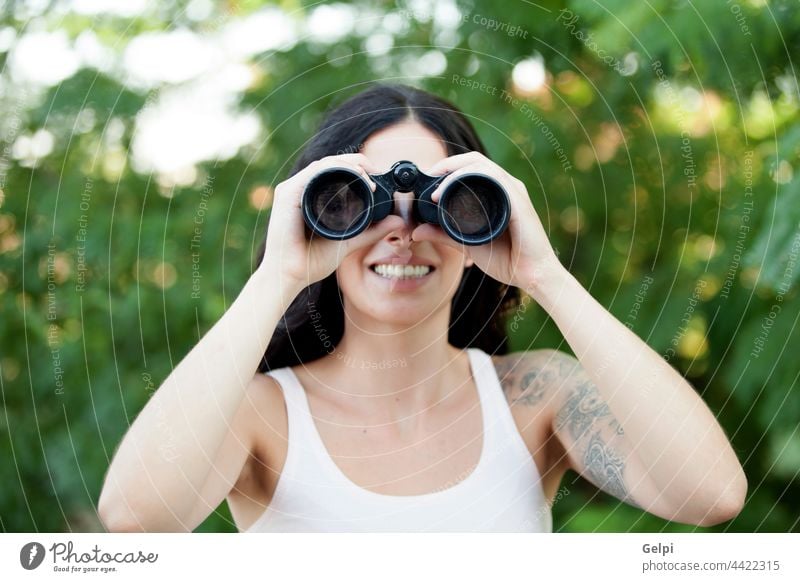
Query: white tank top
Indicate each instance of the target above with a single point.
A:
(503, 493)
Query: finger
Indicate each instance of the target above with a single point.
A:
(485, 169)
(363, 161)
(434, 234)
(452, 163)
(347, 161)
(363, 171)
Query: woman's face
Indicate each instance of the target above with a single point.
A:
(397, 281)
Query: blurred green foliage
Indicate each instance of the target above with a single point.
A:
(678, 208)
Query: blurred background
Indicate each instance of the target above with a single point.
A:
(140, 142)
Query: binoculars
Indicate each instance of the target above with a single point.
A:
(338, 203)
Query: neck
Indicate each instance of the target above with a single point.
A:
(410, 367)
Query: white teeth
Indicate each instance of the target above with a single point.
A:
(402, 271)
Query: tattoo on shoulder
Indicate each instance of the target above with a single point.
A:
(523, 382)
(533, 386)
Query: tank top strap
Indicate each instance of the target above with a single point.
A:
(295, 405)
(302, 433)
(307, 455)
(499, 425)
(503, 493)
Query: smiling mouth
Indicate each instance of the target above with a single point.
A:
(402, 271)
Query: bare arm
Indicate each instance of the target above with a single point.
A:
(202, 403)
(152, 488)
(629, 422)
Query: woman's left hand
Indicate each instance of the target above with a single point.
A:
(522, 255)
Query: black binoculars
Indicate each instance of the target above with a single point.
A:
(338, 203)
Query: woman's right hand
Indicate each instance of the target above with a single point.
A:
(288, 253)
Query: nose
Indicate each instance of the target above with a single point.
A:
(403, 207)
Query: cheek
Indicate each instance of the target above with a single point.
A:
(351, 274)
(453, 261)
(451, 272)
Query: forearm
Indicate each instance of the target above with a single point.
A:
(667, 426)
(168, 451)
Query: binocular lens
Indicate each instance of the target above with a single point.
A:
(341, 201)
(472, 206)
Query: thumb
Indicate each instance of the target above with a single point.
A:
(374, 233)
(431, 233)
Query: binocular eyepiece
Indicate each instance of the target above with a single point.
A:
(338, 203)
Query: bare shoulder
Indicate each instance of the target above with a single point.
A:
(263, 423)
(263, 389)
(532, 382)
(263, 414)
(532, 378)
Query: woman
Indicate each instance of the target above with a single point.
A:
(389, 401)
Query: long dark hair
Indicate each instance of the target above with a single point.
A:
(314, 323)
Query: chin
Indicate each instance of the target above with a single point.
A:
(401, 315)
(402, 302)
